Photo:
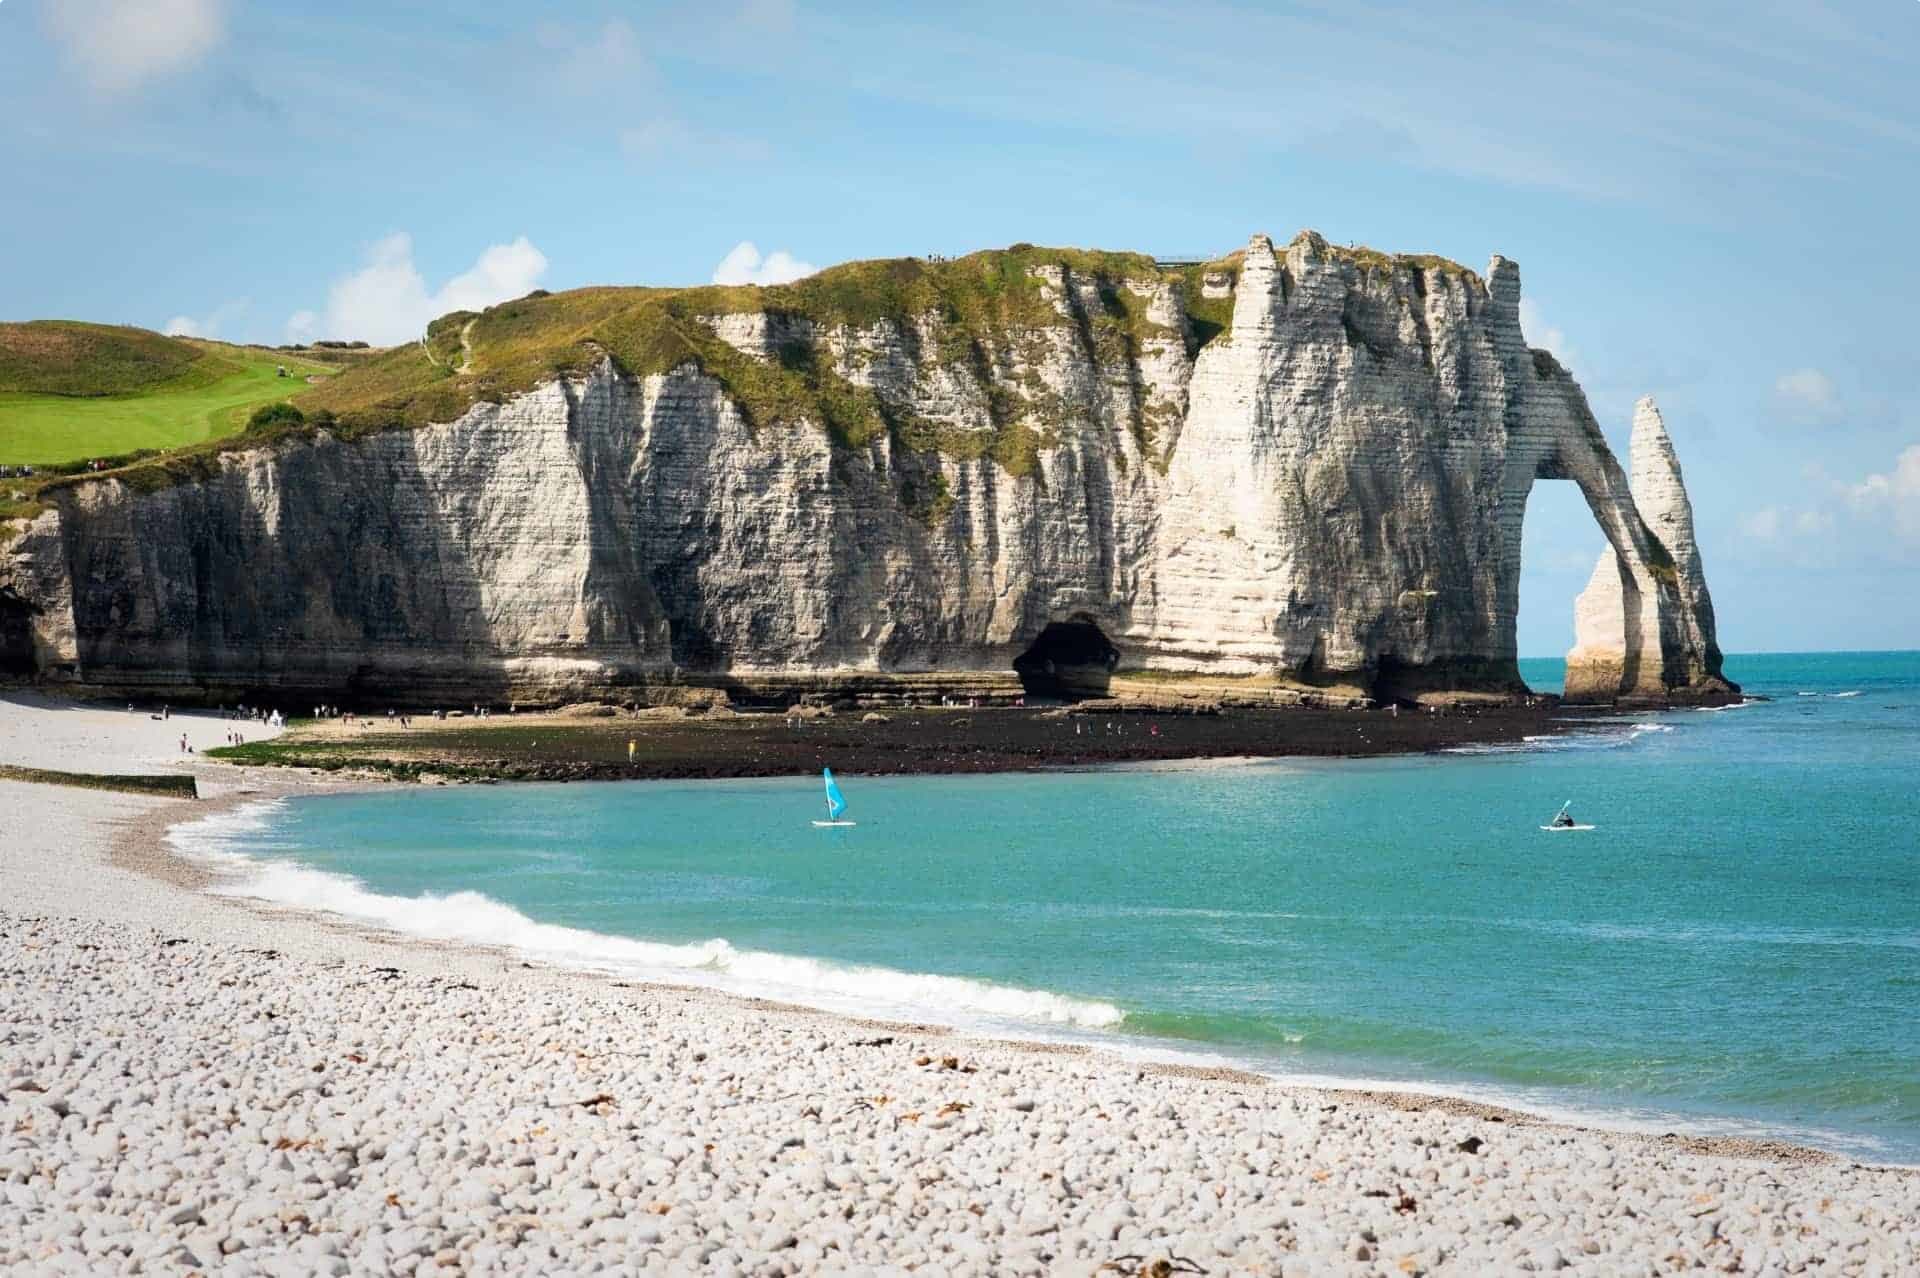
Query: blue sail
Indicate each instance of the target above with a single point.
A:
(836, 802)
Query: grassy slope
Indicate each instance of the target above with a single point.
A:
(74, 391)
(66, 357)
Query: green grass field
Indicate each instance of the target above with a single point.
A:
(69, 392)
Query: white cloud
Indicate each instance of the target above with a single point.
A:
(387, 300)
(121, 44)
(1542, 334)
(1894, 494)
(1806, 396)
(1876, 514)
(744, 265)
(208, 325)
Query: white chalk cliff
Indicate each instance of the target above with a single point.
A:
(1326, 488)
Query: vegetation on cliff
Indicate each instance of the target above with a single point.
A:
(981, 312)
(992, 314)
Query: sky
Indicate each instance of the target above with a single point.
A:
(1712, 203)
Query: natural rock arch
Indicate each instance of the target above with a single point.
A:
(1621, 629)
(1644, 625)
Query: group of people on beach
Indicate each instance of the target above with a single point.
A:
(272, 718)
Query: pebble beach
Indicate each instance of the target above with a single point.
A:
(191, 1083)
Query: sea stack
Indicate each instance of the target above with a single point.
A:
(1641, 640)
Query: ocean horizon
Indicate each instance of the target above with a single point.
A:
(1734, 949)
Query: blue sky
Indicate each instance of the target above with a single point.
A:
(1712, 203)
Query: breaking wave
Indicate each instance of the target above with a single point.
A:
(476, 919)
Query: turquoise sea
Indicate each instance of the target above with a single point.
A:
(1735, 948)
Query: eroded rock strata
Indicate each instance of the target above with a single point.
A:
(1322, 488)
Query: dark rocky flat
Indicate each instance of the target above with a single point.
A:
(909, 741)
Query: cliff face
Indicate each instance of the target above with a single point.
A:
(1325, 485)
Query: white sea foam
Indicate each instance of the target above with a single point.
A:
(224, 840)
(1550, 741)
(476, 919)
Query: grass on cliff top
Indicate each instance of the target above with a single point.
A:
(71, 392)
(983, 304)
(156, 409)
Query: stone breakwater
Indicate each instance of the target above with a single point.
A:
(172, 1104)
(1323, 486)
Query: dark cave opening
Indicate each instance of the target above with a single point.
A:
(1069, 659)
(16, 635)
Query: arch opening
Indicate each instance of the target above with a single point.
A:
(1560, 541)
(1068, 659)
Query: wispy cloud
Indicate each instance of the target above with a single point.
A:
(1806, 397)
(120, 45)
(613, 67)
(1763, 524)
(1878, 512)
(1543, 334)
(387, 300)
